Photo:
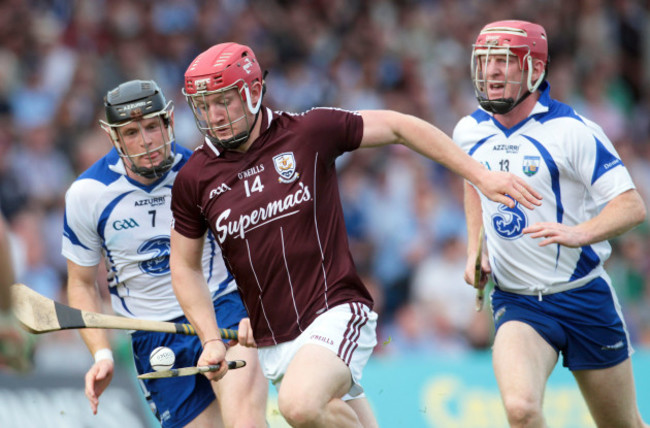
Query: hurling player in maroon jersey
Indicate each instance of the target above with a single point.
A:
(265, 184)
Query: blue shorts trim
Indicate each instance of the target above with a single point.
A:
(181, 399)
(584, 324)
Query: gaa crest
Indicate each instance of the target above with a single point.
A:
(531, 165)
(285, 165)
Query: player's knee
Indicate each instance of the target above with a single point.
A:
(245, 417)
(246, 423)
(522, 411)
(245, 413)
(298, 411)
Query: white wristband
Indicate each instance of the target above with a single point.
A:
(103, 354)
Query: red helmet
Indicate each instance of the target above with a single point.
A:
(222, 66)
(525, 40)
(219, 69)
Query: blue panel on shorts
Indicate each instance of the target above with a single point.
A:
(179, 400)
(582, 324)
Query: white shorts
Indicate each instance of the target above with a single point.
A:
(348, 330)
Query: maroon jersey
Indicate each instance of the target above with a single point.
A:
(276, 213)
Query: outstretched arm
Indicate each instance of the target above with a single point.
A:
(382, 127)
(474, 220)
(192, 292)
(621, 214)
(83, 294)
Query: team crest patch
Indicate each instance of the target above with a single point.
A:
(531, 165)
(285, 165)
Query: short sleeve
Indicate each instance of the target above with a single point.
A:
(333, 131)
(598, 164)
(81, 242)
(188, 220)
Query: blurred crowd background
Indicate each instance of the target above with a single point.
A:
(404, 213)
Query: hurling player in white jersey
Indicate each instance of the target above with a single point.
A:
(119, 209)
(552, 295)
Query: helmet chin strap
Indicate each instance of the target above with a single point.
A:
(154, 172)
(239, 139)
(236, 140)
(501, 105)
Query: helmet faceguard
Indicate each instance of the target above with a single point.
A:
(214, 78)
(137, 101)
(525, 41)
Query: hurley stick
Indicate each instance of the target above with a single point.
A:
(38, 314)
(189, 371)
(477, 271)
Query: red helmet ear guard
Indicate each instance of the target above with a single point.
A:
(222, 66)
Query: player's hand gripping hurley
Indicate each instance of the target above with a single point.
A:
(38, 314)
(480, 293)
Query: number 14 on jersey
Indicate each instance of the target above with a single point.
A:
(257, 186)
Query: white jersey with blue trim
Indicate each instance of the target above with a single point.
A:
(109, 214)
(572, 163)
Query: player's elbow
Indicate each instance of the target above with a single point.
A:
(640, 214)
(637, 211)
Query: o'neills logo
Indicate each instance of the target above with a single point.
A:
(271, 212)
